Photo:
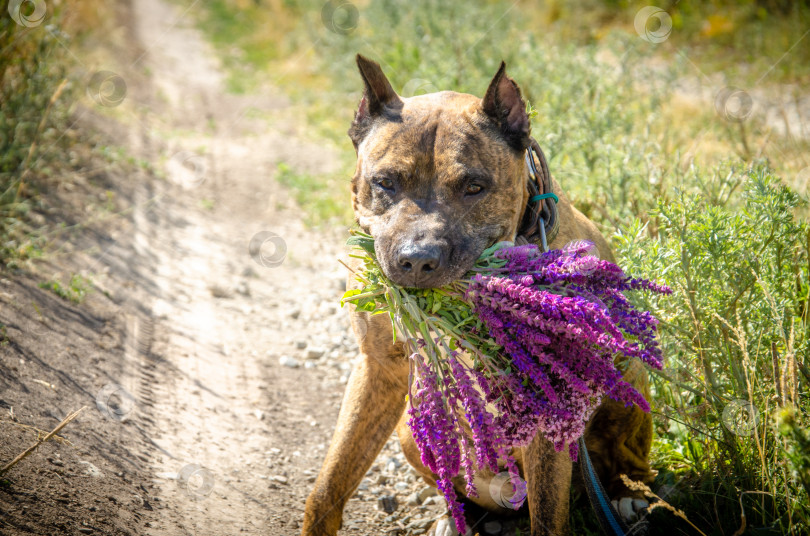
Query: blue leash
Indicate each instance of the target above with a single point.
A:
(542, 225)
(609, 518)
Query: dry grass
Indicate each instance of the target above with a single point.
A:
(47, 437)
(661, 503)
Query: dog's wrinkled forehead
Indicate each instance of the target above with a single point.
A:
(439, 134)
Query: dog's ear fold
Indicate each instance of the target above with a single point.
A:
(503, 103)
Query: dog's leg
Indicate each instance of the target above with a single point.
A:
(372, 405)
(548, 483)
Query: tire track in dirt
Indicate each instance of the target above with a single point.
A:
(237, 435)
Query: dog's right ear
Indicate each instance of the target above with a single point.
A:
(378, 96)
(504, 104)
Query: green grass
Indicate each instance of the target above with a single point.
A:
(316, 195)
(28, 120)
(74, 291)
(742, 39)
(247, 38)
(37, 92)
(689, 197)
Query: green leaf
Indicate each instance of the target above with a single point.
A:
(495, 247)
(363, 242)
(368, 305)
(348, 294)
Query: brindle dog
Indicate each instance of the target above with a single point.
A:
(439, 178)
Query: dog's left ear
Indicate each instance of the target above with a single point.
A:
(503, 103)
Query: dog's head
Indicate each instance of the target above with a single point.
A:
(439, 177)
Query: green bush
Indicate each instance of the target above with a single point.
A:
(735, 334)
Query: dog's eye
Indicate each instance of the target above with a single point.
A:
(473, 189)
(385, 183)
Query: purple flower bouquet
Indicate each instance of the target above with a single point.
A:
(526, 342)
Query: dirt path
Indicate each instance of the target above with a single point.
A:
(241, 434)
(214, 401)
(226, 416)
(253, 352)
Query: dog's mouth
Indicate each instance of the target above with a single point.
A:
(434, 281)
(424, 265)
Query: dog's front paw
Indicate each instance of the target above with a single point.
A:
(630, 508)
(445, 526)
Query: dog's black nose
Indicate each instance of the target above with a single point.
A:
(419, 260)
